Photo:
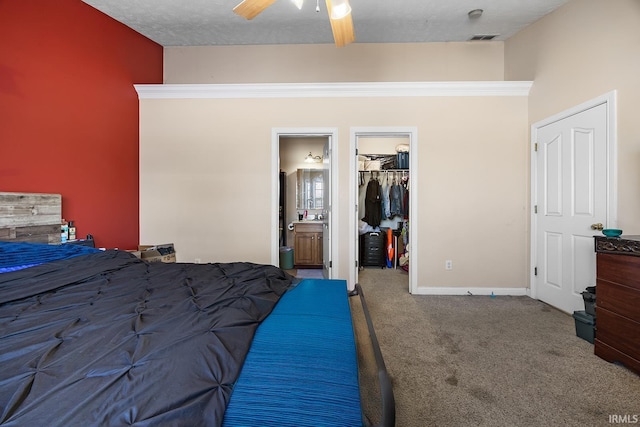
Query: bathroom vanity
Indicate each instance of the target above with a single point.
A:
(307, 244)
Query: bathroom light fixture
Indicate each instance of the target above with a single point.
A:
(340, 9)
(475, 13)
(312, 159)
(298, 3)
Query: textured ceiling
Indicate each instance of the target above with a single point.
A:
(212, 22)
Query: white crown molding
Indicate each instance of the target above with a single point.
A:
(332, 90)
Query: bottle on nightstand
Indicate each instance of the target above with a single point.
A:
(64, 231)
(72, 231)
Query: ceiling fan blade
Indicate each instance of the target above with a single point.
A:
(342, 28)
(249, 9)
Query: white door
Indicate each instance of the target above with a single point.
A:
(571, 170)
(326, 212)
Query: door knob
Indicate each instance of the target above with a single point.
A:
(597, 226)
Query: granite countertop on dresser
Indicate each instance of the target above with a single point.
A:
(623, 245)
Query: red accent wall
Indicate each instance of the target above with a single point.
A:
(69, 112)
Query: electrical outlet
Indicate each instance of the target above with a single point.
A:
(198, 261)
(448, 265)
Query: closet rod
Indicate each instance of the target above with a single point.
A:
(388, 171)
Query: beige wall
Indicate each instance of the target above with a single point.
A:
(205, 179)
(325, 63)
(378, 145)
(579, 52)
(206, 184)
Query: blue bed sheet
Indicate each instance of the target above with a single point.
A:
(19, 255)
(302, 368)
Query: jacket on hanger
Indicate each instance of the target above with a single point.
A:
(372, 207)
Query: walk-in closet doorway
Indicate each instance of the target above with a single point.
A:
(374, 156)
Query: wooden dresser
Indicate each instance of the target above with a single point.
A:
(618, 300)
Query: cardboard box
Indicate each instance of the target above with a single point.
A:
(157, 253)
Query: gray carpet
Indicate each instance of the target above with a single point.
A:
(483, 361)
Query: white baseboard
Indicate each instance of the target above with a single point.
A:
(470, 291)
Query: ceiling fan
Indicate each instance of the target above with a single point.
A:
(339, 15)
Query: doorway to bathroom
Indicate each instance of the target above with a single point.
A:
(302, 195)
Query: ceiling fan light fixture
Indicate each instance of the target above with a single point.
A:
(339, 12)
(298, 3)
(340, 9)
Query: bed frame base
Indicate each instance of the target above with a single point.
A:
(388, 410)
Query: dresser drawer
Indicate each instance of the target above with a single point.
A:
(618, 331)
(619, 299)
(623, 269)
(610, 354)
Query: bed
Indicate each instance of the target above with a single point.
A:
(94, 337)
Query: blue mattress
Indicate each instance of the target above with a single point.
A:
(302, 368)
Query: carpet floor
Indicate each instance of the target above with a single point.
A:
(485, 361)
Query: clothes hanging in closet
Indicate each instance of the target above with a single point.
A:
(405, 204)
(386, 201)
(396, 195)
(372, 204)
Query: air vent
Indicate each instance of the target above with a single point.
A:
(483, 37)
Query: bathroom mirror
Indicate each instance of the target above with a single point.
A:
(310, 189)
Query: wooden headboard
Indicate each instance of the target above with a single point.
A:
(30, 217)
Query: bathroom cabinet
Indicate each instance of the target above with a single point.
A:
(307, 244)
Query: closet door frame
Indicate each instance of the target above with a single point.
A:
(405, 132)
